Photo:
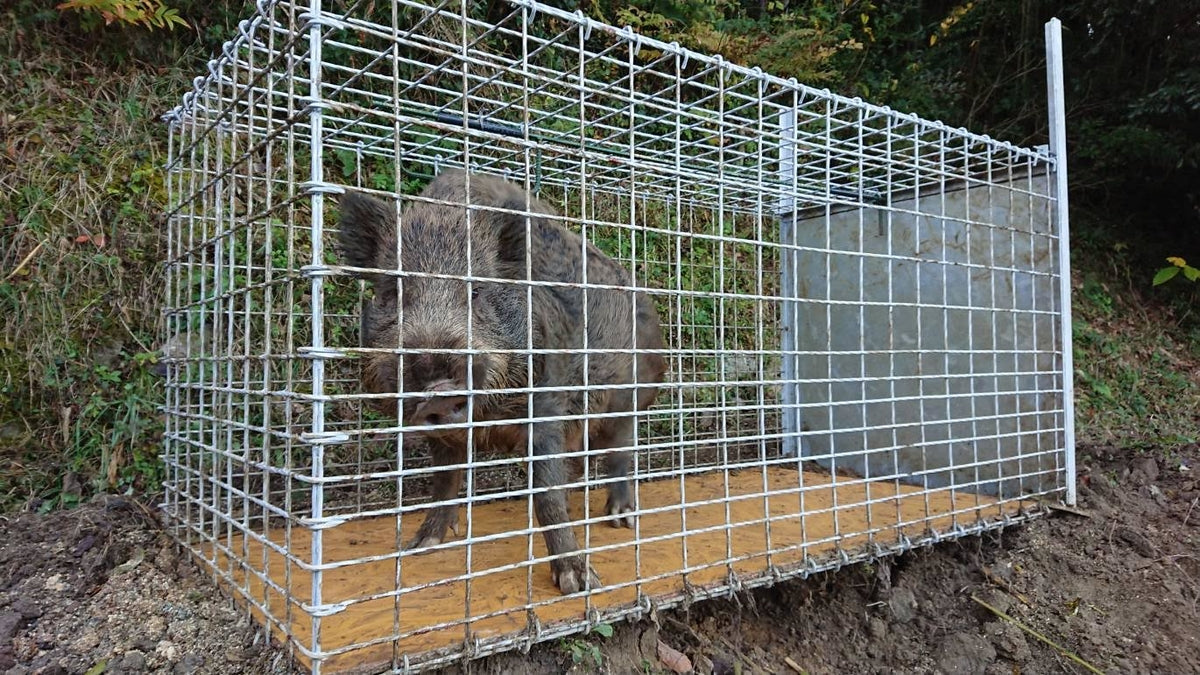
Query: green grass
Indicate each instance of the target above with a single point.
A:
(1137, 368)
(81, 195)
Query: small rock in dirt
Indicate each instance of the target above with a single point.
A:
(722, 665)
(190, 663)
(9, 623)
(133, 662)
(154, 627)
(84, 545)
(144, 644)
(167, 650)
(56, 583)
(876, 628)
(963, 653)
(86, 642)
(1158, 496)
(903, 604)
(674, 660)
(27, 608)
(1136, 540)
(71, 484)
(1148, 468)
(704, 665)
(1009, 641)
(7, 658)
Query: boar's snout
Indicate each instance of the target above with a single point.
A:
(438, 408)
(435, 374)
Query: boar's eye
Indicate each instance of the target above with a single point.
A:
(474, 293)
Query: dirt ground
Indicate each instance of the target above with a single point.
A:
(98, 589)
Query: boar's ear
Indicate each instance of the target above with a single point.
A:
(512, 227)
(367, 231)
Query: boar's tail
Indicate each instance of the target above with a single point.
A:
(367, 232)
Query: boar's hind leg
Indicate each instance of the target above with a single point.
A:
(619, 434)
(446, 484)
(571, 574)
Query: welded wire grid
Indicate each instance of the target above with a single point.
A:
(845, 290)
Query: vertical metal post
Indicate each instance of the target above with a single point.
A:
(316, 176)
(1058, 150)
(170, 329)
(787, 273)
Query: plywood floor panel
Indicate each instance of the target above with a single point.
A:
(833, 516)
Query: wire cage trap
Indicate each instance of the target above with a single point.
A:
(863, 316)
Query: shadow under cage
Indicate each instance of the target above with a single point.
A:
(862, 318)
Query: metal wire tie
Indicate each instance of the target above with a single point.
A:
(324, 610)
(308, 20)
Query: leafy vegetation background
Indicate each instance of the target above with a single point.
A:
(84, 84)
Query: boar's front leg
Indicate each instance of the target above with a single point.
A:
(571, 573)
(446, 485)
(618, 434)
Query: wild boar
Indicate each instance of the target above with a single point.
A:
(522, 242)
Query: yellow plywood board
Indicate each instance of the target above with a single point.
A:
(735, 528)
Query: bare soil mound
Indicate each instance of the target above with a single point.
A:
(100, 589)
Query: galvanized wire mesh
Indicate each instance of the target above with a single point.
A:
(863, 315)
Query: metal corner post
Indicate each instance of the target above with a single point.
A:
(316, 177)
(1058, 150)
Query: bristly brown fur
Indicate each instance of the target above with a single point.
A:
(434, 237)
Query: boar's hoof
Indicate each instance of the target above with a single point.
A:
(419, 542)
(432, 533)
(621, 513)
(572, 575)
